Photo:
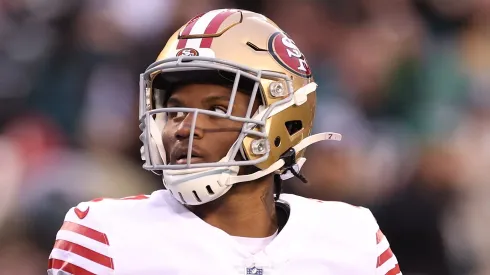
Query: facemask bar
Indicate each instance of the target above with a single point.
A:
(184, 63)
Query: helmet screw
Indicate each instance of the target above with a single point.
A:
(260, 147)
(276, 89)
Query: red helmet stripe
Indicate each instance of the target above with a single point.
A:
(207, 23)
(213, 27)
(187, 30)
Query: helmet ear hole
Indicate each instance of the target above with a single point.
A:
(277, 141)
(294, 126)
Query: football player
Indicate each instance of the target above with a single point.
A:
(226, 113)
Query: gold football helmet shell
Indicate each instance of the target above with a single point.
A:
(251, 39)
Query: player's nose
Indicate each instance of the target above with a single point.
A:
(186, 126)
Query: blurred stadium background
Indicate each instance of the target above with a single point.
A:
(407, 82)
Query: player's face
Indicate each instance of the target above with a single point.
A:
(213, 136)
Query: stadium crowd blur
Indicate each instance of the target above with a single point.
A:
(407, 83)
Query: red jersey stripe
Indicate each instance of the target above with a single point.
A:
(379, 236)
(67, 267)
(394, 271)
(137, 197)
(385, 256)
(84, 252)
(85, 231)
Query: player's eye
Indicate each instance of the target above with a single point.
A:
(219, 109)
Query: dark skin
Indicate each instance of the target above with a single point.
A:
(247, 209)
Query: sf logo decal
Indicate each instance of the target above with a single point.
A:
(187, 52)
(286, 53)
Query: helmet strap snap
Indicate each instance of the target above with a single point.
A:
(289, 158)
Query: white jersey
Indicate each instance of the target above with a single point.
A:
(155, 235)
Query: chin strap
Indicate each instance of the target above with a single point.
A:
(294, 166)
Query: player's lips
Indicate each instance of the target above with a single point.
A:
(179, 155)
